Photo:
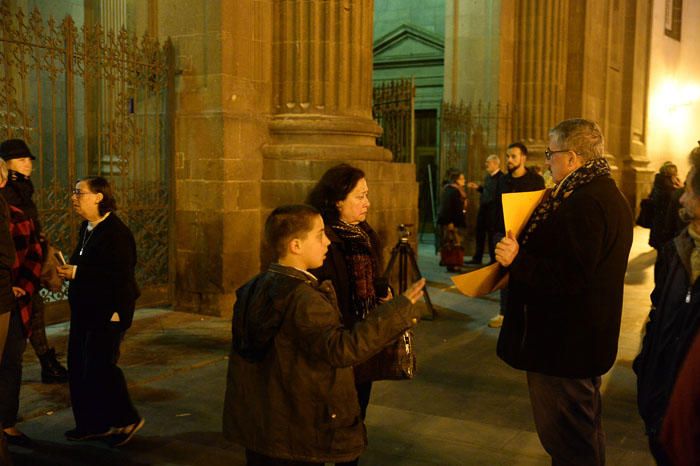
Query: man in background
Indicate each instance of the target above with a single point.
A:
(486, 217)
(518, 179)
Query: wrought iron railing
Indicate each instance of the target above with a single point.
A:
(393, 108)
(91, 101)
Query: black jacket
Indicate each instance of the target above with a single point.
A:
(661, 196)
(489, 188)
(566, 283)
(673, 322)
(105, 282)
(530, 181)
(18, 192)
(451, 208)
(296, 399)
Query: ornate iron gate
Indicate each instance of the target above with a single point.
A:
(392, 107)
(93, 102)
(468, 134)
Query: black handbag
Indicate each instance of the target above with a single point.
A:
(396, 361)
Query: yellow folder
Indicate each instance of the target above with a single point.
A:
(517, 209)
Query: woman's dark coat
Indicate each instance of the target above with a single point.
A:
(452, 208)
(661, 195)
(673, 322)
(566, 284)
(105, 282)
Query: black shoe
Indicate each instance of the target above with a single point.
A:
(120, 436)
(20, 440)
(51, 370)
(77, 435)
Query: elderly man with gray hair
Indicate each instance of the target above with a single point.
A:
(567, 270)
(487, 216)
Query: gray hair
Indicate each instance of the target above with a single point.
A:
(581, 136)
(3, 171)
(493, 157)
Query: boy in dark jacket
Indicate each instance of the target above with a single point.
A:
(290, 394)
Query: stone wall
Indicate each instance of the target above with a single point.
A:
(264, 106)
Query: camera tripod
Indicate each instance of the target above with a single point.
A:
(406, 256)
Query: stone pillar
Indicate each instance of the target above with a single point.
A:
(322, 81)
(222, 50)
(629, 103)
(270, 94)
(539, 68)
(322, 111)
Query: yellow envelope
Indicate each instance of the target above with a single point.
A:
(517, 209)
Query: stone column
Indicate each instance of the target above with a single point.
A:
(322, 81)
(629, 103)
(539, 68)
(321, 111)
(222, 50)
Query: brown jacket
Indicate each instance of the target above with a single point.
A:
(298, 401)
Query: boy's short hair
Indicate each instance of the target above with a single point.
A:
(286, 223)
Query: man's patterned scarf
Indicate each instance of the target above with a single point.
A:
(581, 176)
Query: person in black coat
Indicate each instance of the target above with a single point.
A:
(666, 182)
(102, 297)
(486, 216)
(452, 212)
(19, 192)
(564, 307)
(674, 319)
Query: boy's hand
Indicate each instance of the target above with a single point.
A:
(415, 291)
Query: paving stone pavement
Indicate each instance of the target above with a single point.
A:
(465, 406)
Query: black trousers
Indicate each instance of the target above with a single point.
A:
(485, 231)
(567, 415)
(11, 370)
(98, 392)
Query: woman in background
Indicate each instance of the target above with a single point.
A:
(452, 220)
(102, 296)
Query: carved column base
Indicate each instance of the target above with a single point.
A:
(322, 137)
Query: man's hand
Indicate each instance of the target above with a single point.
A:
(472, 185)
(507, 249)
(415, 291)
(17, 291)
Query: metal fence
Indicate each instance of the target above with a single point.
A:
(393, 108)
(92, 102)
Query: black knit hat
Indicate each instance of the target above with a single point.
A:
(15, 149)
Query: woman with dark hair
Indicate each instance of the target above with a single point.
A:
(102, 297)
(353, 262)
(452, 220)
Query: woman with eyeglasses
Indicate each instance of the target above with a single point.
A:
(102, 296)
